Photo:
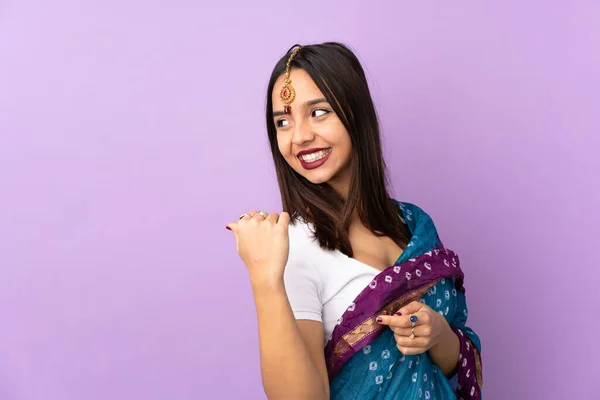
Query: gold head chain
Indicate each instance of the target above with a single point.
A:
(288, 94)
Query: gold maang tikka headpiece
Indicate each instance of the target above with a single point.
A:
(288, 94)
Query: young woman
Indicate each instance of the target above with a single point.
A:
(356, 296)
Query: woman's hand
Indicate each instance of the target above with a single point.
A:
(263, 244)
(426, 330)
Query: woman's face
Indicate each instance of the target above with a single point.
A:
(312, 138)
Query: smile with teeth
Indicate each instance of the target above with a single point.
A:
(312, 157)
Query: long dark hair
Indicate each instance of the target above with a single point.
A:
(337, 72)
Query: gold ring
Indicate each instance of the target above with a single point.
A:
(264, 214)
(412, 334)
(244, 215)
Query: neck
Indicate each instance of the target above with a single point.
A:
(342, 188)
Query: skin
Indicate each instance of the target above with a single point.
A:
(263, 245)
(310, 125)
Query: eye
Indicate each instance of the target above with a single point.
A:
(281, 123)
(320, 112)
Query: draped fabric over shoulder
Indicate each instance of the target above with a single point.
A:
(363, 361)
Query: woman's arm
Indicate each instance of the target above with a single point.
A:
(431, 333)
(291, 352)
(467, 366)
(445, 353)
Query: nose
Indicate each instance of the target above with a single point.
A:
(302, 133)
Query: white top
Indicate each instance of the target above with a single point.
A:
(322, 284)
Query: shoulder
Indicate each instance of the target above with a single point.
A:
(420, 224)
(304, 248)
(301, 275)
(410, 208)
(301, 235)
(413, 214)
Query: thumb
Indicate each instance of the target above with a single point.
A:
(284, 219)
(411, 308)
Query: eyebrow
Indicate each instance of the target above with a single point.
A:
(307, 104)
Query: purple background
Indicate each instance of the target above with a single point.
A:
(131, 132)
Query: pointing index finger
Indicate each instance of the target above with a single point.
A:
(395, 321)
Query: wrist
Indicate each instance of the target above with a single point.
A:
(446, 333)
(266, 284)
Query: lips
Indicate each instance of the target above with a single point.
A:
(310, 151)
(315, 158)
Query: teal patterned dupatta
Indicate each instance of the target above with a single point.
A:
(363, 361)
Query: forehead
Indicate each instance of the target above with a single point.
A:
(305, 88)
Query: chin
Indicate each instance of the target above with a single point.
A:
(317, 178)
(318, 181)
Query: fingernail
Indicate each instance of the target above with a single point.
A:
(228, 228)
(399, 313)
(379, 320)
